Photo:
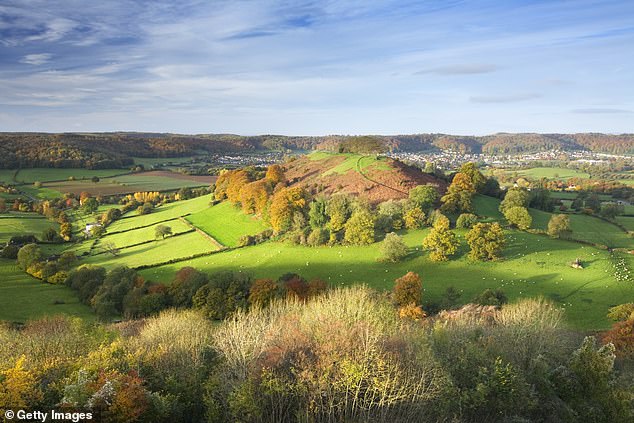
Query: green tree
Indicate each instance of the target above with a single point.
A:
(515, 197)
(360, 228)
(593, 202)
(475, 176)
(28, 255)
(51, 235)
(317, 217)
(393, 249)
(90, 205)
(184, 285)
(486, 241)
(611, 210)
(466, 221)
(559, 226)
(518, 217)
(161, 231)
(423, 196)
(338, 208)
(408, 289)
(414, 218)
(495, 297)
(441, 240)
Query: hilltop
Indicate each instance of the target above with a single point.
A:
(376, 178)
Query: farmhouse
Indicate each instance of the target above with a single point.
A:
(89, 227)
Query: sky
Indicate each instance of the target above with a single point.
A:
(303, 67)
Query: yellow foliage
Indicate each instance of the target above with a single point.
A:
(411, 312)
(18, 389)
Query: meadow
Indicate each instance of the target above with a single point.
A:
(226, 223)
(29, 176)
(136, 236)
(16, 223)
(25, 298)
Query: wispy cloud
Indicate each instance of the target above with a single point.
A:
(601, 111)
(459, 69)
(505, 98)
(36, 59)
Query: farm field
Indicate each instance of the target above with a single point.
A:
(24, 297)
(628, 222)
(166, 212)
(23, 224)
(533, 265)
(28, 176)
(549, 173)
(143, 234)
(155, 252)
(226, 223)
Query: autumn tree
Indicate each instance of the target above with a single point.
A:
(284, 204)
(475, 176)
(414, 218)
(338, 209)
(18, 387)
(621, 335)
(559, 226)
(275, 174)
(262, 292)
(360, 228)
(459, 195)
(408, 289)
(441, 240)
(393, 249)
(237, 180)
(90, 205)
(518, 217)
(254, 197)
(220, 188)
(466, 221)
(486, 241)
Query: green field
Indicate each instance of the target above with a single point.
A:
(155, 252)
(534, 265)
(141, 182)
(23, 224)
(628, 222)
(143, 234)
(24, 297)
(226, 223)
(163, 161)
(28, 176)
(165, 212)
(549, 173)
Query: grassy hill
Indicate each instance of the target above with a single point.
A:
(375, 178)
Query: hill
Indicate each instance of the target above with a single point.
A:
(375, 178)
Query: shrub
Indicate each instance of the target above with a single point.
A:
(518, 217)
(466, 221)
(318, 236)
(407, 290)
(393, 249)
(621, 312)
(559, 226)
(495, 297)
(621, 335)
(262, 292)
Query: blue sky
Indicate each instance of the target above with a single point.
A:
(317, 67)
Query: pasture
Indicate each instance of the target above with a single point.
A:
(25, 298)
(16, 223)
(136, 236)
(226, 223)
(533, 265)
(28, 176)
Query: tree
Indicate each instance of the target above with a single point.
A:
(414, 218)
(284, 204)
(593, 202)
(515, 197)
(146, 208)
(161, 231)
(360, 228)
(621, 335)
(621, 312)
(493, 297)
(559, 226)
(408, 289)
(111, 248)
(393, 249)
(184, 285)
(95, 179)
(51, 235)
(611, 210)
(225, 293)
(275, 174)
(486, 241)
(90, 205)
(459, 195)
(108, 301)
(237, 180)
(466, 221)
(317, 217)
(475, 176)
(254, 197)
(97, 231)
(262, 292)
(423, 196)
(338, 209)
(28, 255)
(519, 217)
(18, 388)
(441, 241)
(430, 167)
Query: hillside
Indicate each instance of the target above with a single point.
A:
(375, 178)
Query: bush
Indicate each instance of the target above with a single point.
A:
(393, 249)
(621, 312)
(466, 221)
(487, 297)
(408, 289)
(318, 236)
(10, 251)
(224, 294)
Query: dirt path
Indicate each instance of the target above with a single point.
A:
(373, 181)
(203, 233)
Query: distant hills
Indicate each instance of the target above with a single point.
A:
(116, 149)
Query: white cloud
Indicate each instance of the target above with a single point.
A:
(36, 59)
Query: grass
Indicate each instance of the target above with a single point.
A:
(25, 298)
(155, 252)
(165, 212)
(533, 266)
(226, 223)
(28, 176)
(143, 234)
(627, 221)
(141, 182)
(550, 173)
(152, 161)
(23, 224)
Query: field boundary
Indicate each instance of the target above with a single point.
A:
(213, 240)
(144, 226)
(145, 242)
